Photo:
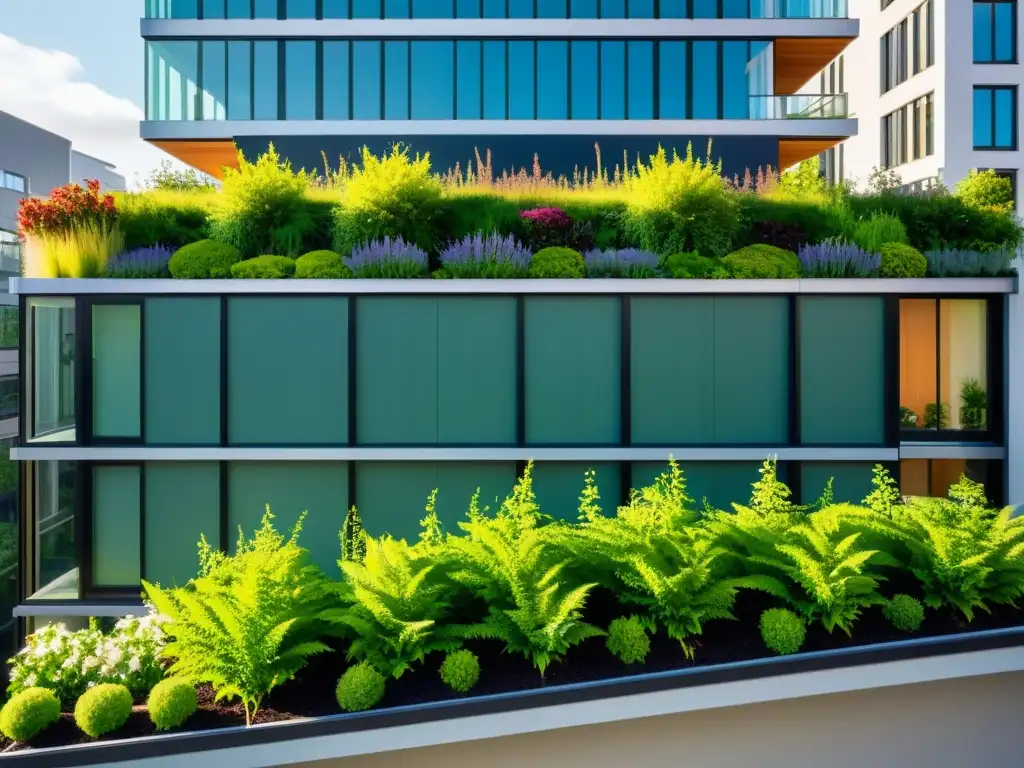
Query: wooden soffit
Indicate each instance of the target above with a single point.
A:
(798, 59)
(793, 151)
(210, 156)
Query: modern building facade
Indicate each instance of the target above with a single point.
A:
(516, 77)
(934, 85)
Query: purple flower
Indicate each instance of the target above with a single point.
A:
(629, 262)
(956, 263)
(146, 262)
(490, 256)
(837, 258)
(387, 258)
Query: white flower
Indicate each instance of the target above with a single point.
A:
(134, 664)
(105, 670)
(114, 655)
(89, 663)
(68, 663)
(40, 650)
(30, 681)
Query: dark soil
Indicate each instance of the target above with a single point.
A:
(311, 694)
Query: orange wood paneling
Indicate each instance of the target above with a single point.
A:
(793, 151)
(209, 156)
(914, 477)
(798, 59)
(949, 397)
(917, 354)
(946, 472)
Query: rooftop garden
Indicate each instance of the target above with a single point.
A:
(518, 599)
(391, 217)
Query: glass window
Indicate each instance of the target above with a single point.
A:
(239, 9)
(551, 9)
(396, 80)
(366, 80)
(52, 355)
(264, 73)
(737, 9)
(116, 370)
(468, 80)
(366, 9)
(13, 181)
(468, 9)
(215, 75)
(239, 80)
(300, 9)
(520, 9)
(943, 365)
(335, 9)
(182, 9)
(9, 396)
(995, 32)
(10, 324)
(995, 117)
(494, 9)
(521, 96)
(705, 80)
(55, 572)
(672, 80)
(613, 9)
(336, 80)
(172, 84)
(433, 67)
(213, 9)
(735, 88)
(933, 477)
(495, 80)
(553, 83)
(584, 84)
(265, 9)
(613, 80)
(640, 68)
(705, 9)
(432, 9)
(10, 582)
(397, 9)
(672, 9)
(640, 9)
(583, 9)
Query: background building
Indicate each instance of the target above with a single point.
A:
(517, 77)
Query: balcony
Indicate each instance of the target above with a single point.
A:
(800, 106)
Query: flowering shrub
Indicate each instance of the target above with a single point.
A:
(836, 258)
(142, 262)
(387, 258)
(490, 256)
(66, 207)
(547, 227)
(628, 262)
(71, 662)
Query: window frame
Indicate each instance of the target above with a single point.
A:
(5, 175)
(993, 90)
(993, 33)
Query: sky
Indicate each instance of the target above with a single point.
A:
(78, 72)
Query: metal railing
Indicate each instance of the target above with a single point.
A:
(800, 106)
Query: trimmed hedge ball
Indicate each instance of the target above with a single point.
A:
(905, 613)
(29, 713)
(203, 260)
(103, 708)
(360, 688)
(782, 631)
(171, 703)
(460, 670)
(628, 640)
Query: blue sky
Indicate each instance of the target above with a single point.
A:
(79, 66)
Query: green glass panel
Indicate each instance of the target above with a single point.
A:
(392, 496)
(291, 488)
(182, 504)
(182, 349)
(842, 370)
(396, 370)
(116, 495)
(288, 370)
(458, 481)
(572, 370)
(117, 370)
(751, 370)
(733, 482)
(851, 482)
(719, 482)
(672, 356)
(476, 370)
(699, 478)
(558, 485)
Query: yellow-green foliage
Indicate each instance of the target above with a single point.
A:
(243, 625)
(901, 260)
(166, 217)
(762, 261)
(557, 262)
(986, 190)
(360, 688)
(205, 259)
(103, 708)
(460, 670)
(628, 640)
(171, 703)
(782, 631)
(321, 264)
(905, 613)
(82, 251)
(877, 230)
(264, 267)
(29, 713)
(391, 196)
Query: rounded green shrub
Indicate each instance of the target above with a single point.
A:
(628, 640)
(782, 631)
(877, 230)
(171, 703)
(321, 265)
(264, 268)
(901, 260)
(460, 670)
(689, 265)
(205, 259)
(103, 708)
(905, 613)
(360, 688)
(29, 713)
(762, 261)
(557, 262)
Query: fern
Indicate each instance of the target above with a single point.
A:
(833, 571)
(399, 607)
(885, 495)
(431, 530)
(353, 538)
(244, 624)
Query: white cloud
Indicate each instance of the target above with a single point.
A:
(47, 90)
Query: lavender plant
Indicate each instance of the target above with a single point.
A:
(628, 262)
(387, 258)
(838, 258)
(957, 263)
(491, 256)
(142, 262)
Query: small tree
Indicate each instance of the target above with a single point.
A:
(987, 190)
(883, 180)
(167, 177)
(805, 180)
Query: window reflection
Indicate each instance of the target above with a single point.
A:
(300, 83)
(173, 75)
(10, 324)
(9, 396)
(56, 569)
(933, 477)
(52, 354)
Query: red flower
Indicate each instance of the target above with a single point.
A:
(66, 207)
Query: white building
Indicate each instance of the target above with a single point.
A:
(934, 84)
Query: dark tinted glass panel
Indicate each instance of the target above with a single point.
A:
(705, 80)
(584, 82)
(672, 9)
(672, 80)
(213, 9)
(242, 9)
(613, 9)
(336, 9)
(366, 9)
(737, 9)
(300, 80)
(735, 101)
(336, 80)
(520, 9)
(468, 80)
(641, 80)
(432, 9)
(640, 9)
(184, 9)
(300, 9)
(396, 9)
(983, 134)
(613, 80)
(983, 32)
(494, 9)
(1005, 29)
(520, 80)
(468, 9)
(265, 80)
(495, 78)
(433, 66)
(553, 80)
(583, 9)
(705, 9)
(239, 82)
(265, 9)
(551, 9)
(366, 66)
(1005, 118)
(396, 83)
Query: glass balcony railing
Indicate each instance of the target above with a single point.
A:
(800, 106)
(497, 9)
